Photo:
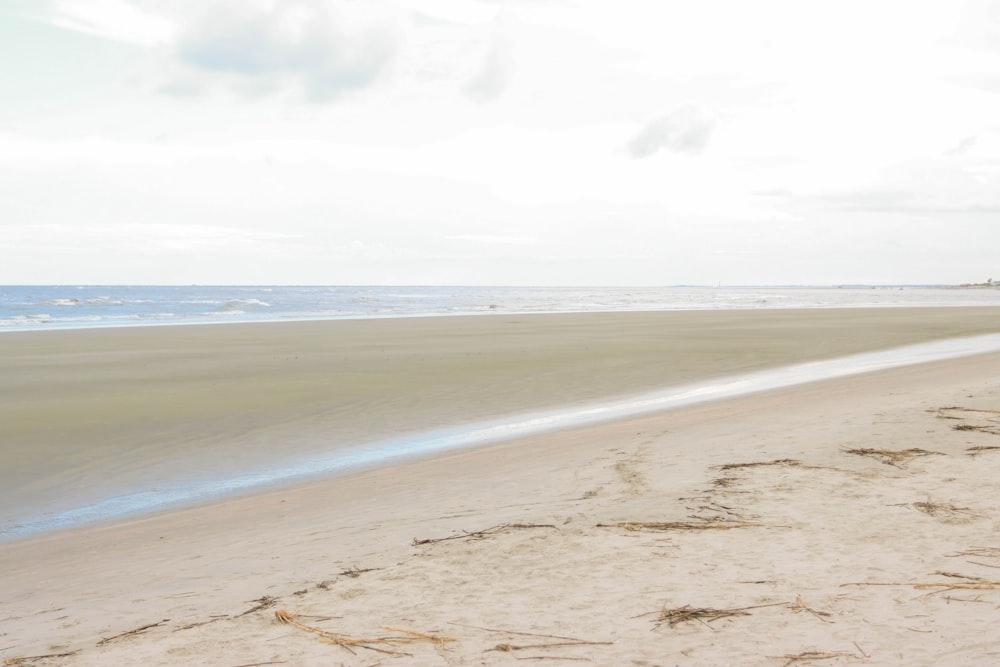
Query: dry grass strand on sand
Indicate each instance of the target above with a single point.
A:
(800, 605)
(756, 464)
(978, 552)
(703, 615)
(130, 633)
(663, 526)
(977, 427)
(377, 644)
(33, 658)
(947, 512)
(262, 603)
(970, 583)
(479, 534)
(892, 457)
(811, 656)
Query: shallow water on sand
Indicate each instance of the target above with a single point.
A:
(168, 493)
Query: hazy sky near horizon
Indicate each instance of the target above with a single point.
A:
(499, 142)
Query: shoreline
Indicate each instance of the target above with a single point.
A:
(814, 531)
(138, 408)
(40, 308)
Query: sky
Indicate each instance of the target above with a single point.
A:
(506, 142)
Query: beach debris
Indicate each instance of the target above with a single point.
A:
(130, 633)
(942, 412)
(864, 653)
(967, 583)
(663, 526)
(720, 511)
(800, 605)
(892, 457)
(979, 552)
(724, 482)
(947, 512)
(378, 644)
(503, 631)
(200, 623)
(354, 571)
(703, 615)
(976, 427)
(956, 575)
(993, 427)
(262, 603)
(555, 657)
(755, 464)
(33, 658)
(508, 648)
(812, 656)
(976, 451)
(479, 534)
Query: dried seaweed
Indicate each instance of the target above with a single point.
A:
(377, 644)
(892, 457)
(479, 534)
(517, 632)
(129, 633)
(262, 603)
(755, 464)
(947, 512)
(800, 605)
(664, 526)
(200, 623)
(507, 648)
(355, 572)
(972, 584)
(958, 408)
(975, 451)
(810, 656)
(978, 552)
(703, 615)
(977, 427)
(33, 658)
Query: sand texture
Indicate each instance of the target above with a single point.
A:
(850, 521)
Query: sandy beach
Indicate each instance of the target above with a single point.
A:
(848, 521)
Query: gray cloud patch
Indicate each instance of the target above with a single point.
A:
(490, 80)
(306, 42)
(685, 130)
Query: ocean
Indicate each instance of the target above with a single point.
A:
(85, 306)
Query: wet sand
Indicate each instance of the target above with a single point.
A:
(89, 414)
(813, 516)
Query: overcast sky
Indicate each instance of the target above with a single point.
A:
(510, 142)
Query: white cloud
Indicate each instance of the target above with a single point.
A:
(118, 20)
(495, 239)
(492, 75)
(326, 49)
(684, 130)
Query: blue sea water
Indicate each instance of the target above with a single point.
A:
(84, 306)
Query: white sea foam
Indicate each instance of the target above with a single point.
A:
(140, 305)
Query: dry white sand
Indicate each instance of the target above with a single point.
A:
(743, 531)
